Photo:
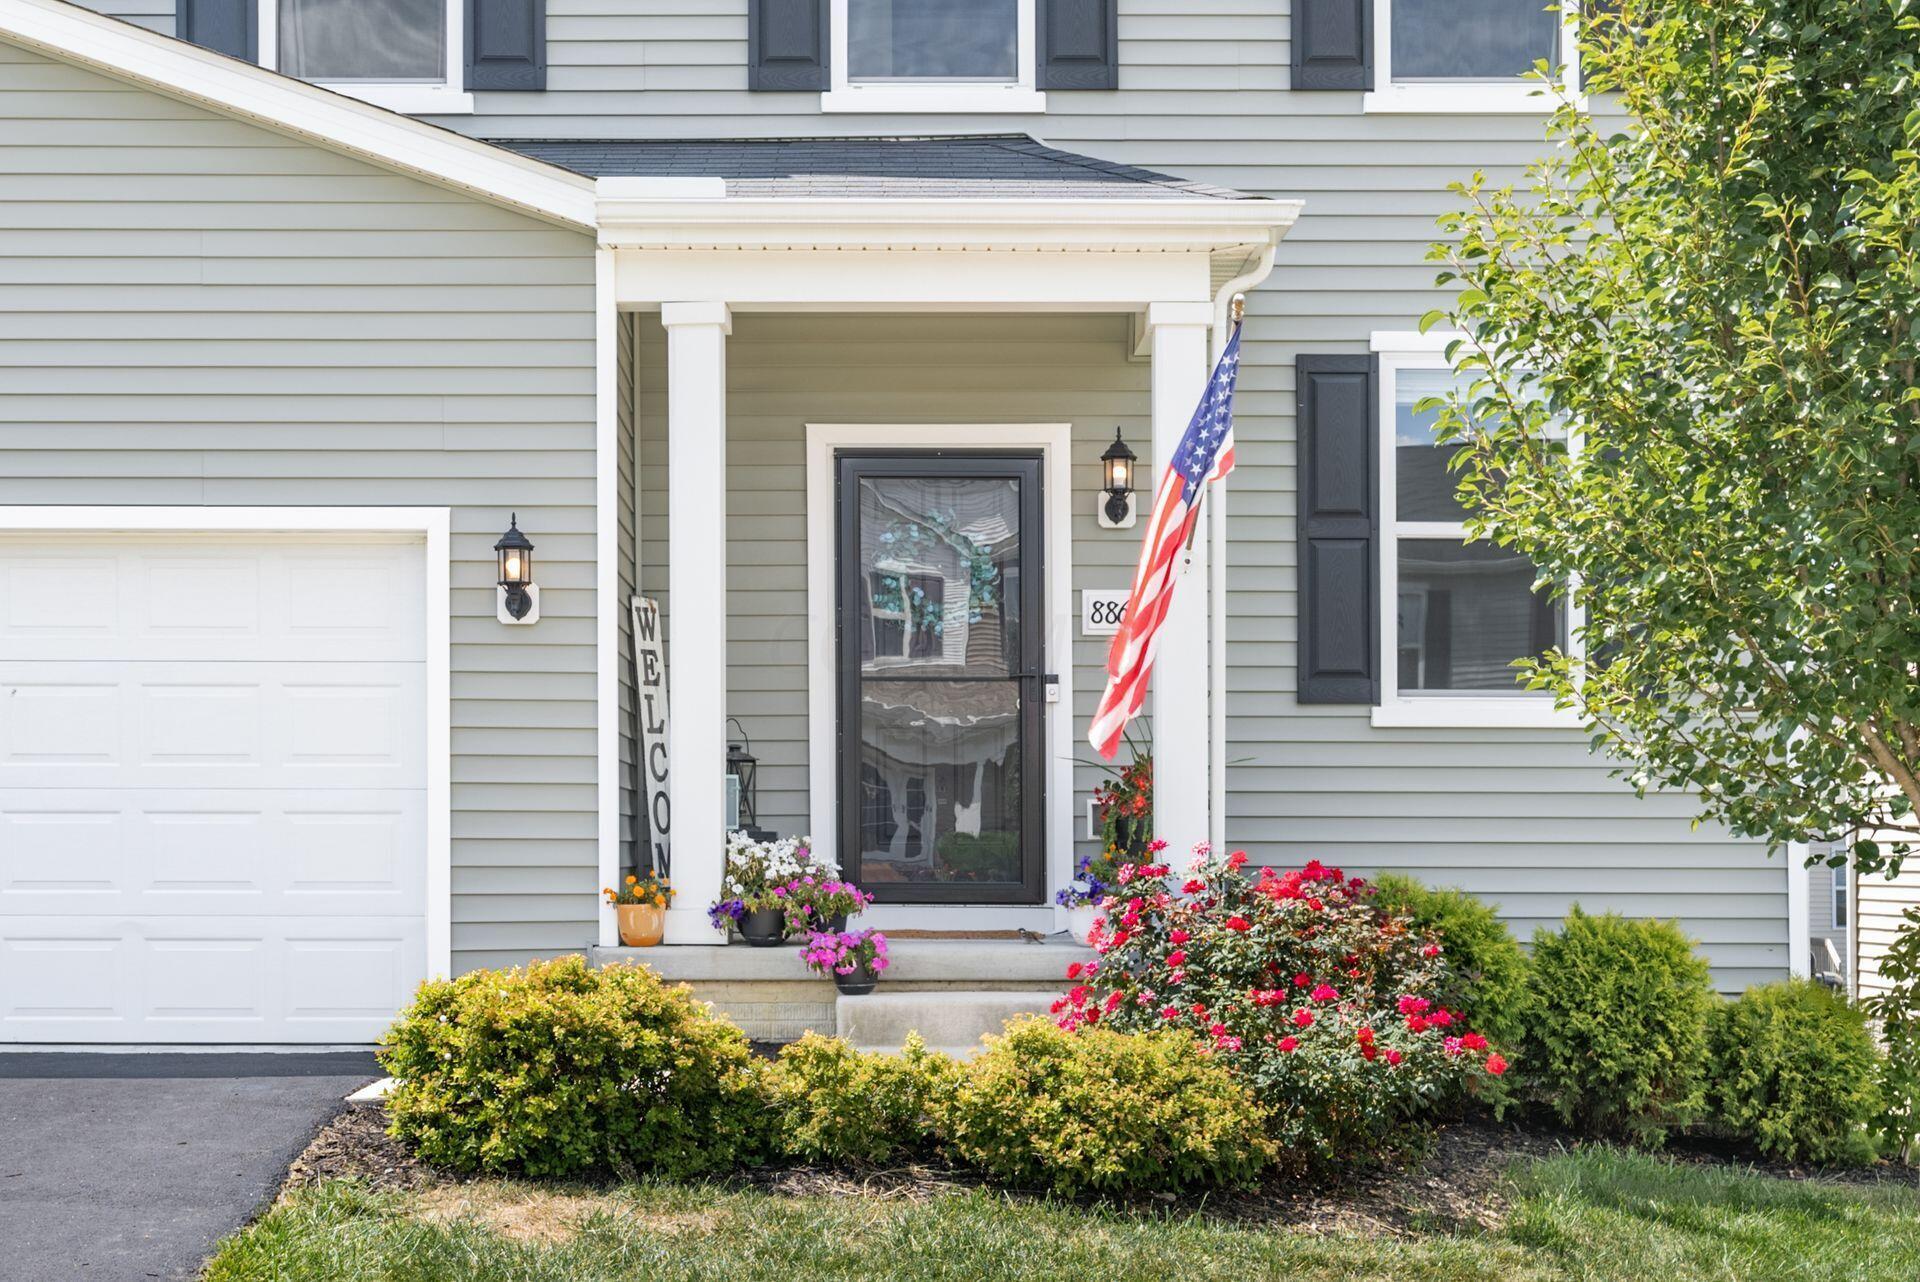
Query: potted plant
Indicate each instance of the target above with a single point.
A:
(752, 891)
(854, 958)
(1093, 878)
(641, 906)
(820, 903)
(1125, 801)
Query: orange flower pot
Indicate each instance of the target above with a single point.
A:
(641, 925)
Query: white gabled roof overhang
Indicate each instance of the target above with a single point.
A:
(180, 70)
(673, 239)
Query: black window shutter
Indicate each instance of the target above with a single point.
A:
(1332, 44)
(1079, 45)
(1337, 399)
(507, 44)
(786, 46)
(224, 26)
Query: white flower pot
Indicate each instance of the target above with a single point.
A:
(1080, 919)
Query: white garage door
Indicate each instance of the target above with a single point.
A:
(212, 787)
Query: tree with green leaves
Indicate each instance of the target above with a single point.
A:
(1694, 362)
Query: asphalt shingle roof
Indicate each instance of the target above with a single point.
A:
(1000, 166)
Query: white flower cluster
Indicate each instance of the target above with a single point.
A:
(755, 865)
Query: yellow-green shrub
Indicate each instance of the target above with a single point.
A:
(562, 1069)
(832, 1103)
(1098, 1111)
(1794, 1070)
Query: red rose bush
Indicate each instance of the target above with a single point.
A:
(1322, 1001)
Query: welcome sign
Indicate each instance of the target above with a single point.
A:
(650, 702)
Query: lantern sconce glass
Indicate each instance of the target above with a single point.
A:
(519, 601)
(743, 771)
(1116, 480)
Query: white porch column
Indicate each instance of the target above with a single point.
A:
(697, 608)
(1178, 334)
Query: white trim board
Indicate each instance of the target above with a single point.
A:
(430, 523)
(1055, 443)
(79, 36)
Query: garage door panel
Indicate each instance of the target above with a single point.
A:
(212, 725)
(214, 979)
(212, 786)
(169, 853)
(87, 598)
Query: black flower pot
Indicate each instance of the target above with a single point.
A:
(837, 923)
(764, 927)
(859, 983)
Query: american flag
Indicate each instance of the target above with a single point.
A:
(1205, 455)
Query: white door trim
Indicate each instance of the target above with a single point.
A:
(1055, 443)
(432, 524)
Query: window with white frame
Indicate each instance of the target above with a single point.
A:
(1466, 55)
(1457, 613)
(933, 55)
(404, 54)
(1838, 878)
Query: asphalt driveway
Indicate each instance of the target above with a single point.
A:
(131, 1166)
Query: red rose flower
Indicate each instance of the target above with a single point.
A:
(1237, 859)
(1289, 1044)
(1325, 993)
(1073, 971)
(1176, 958)
(1495, 1064)
(1474, 1042)
(1364, 1034)
(1302, 980)
(1303, 1018)
(1178, 936)
(1237, 922)
(1393, 1056)
(1368, 1050)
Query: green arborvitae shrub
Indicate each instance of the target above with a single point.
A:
(833, 1103)
(1794, 1069)
(1487, 975)
(560, 1069)
(1099, 1111)
(1616, 1025)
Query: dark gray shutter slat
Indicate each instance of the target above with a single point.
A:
(1332, 44)
(787, 46)
(507, 45)
(1337, 399)
(224, 26)
(1079, 45)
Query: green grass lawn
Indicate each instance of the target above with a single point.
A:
(1595, 1214)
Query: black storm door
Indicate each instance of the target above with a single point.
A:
(942, 686)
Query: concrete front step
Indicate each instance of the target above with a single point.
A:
(950, 1020)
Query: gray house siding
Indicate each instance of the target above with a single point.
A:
(1526, 818)
(194, 310)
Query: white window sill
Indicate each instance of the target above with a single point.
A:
(1522, 712)
(1463, 100)
(411, 100)
(917, 99)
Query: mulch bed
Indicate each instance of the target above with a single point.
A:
(1458, 1184)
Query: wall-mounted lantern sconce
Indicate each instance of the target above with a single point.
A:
(1116, 478)
(519, 595)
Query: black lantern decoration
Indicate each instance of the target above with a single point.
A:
(1116, 474)
(744, 767)
(516, 568)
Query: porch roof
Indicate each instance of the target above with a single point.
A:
(986, 166)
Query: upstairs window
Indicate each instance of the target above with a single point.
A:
(401, 54)
(933, 55)
(1466, 55)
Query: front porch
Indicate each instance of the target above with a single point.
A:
(751, 374)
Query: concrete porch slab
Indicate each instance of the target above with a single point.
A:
(952, 989)
(970, 962)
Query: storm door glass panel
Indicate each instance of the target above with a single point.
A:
(933, 40)
(940, 677)
(1472, 39)
(391, 41)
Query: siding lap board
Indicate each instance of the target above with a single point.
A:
(195, 310)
